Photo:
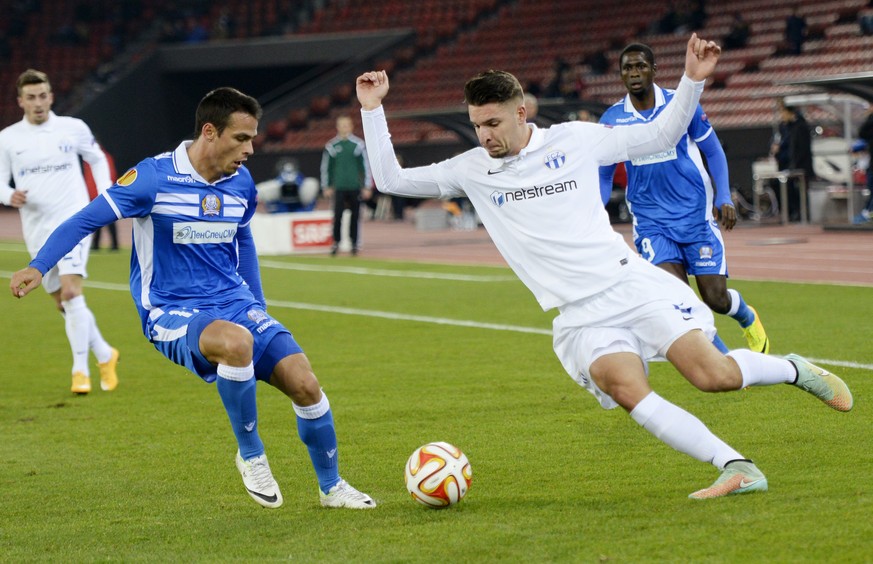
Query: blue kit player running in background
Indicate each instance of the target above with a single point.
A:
(195, 280)
(670, 196)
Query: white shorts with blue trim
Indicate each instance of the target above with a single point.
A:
(74, 262)
(642, 314)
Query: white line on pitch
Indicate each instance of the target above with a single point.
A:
(383, 272)
(426, 319)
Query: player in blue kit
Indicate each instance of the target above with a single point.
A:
(672, 198)
(195, 280)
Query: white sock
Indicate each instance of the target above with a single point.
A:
(236, 373)
(763, 370)
(313, 411)
(102, 350)
(76, 324)
(682, 431)
(735, 302)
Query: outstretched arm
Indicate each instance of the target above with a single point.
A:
(68, 234)
(388, 176)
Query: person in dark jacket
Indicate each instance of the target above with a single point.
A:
(793, 151)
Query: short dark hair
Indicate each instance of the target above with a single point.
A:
(218, 105)
(647, 52)
(492, 86)
(32, 76)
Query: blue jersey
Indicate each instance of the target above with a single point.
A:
(192, 246)
(671, 193)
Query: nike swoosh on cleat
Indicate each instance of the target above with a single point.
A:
(744, 484)
(490, 172)
(269, 498)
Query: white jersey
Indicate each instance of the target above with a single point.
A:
(542, 207)
(43, 160)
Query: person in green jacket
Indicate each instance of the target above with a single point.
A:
(345, 176)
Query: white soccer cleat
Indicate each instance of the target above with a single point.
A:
(258, 480)
(738, 477)
(344, 495)
(827, 387)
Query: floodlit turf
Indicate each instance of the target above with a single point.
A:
(146, 473)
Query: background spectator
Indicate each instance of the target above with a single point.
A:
(795, 31)
(738, 36)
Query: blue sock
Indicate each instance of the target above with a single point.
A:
(739, 310)
(719, 344)
(238, 397)
(319, 436)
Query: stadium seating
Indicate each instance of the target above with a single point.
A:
(454, 39)
(523, 37)
(68, 40)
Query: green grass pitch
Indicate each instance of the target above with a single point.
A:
(408, 354)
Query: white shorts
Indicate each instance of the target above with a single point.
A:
(74, 262)
(642, 314)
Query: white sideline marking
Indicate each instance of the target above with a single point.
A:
(383, 272)
(424, 319)
(407, 317)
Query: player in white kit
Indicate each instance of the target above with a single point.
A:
(537, 193)
(41, 154)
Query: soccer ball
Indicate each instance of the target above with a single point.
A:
(438, 475)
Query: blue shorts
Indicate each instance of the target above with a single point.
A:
(175, 332)
(700, 257)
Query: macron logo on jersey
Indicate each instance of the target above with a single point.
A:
(203, 232)
(182, 179)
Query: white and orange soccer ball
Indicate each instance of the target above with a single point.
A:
(438, 475)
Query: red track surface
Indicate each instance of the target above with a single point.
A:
(783, 253)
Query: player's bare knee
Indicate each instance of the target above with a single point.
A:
(294, 377)
(722, 377)
(625, 396)
(718, 302)
(625, 393)
(68, 294)
(237, 343)
(308, 392)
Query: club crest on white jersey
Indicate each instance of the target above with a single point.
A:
(555, 160)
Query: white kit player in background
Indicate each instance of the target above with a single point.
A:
(40, 154)
(537, 193)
